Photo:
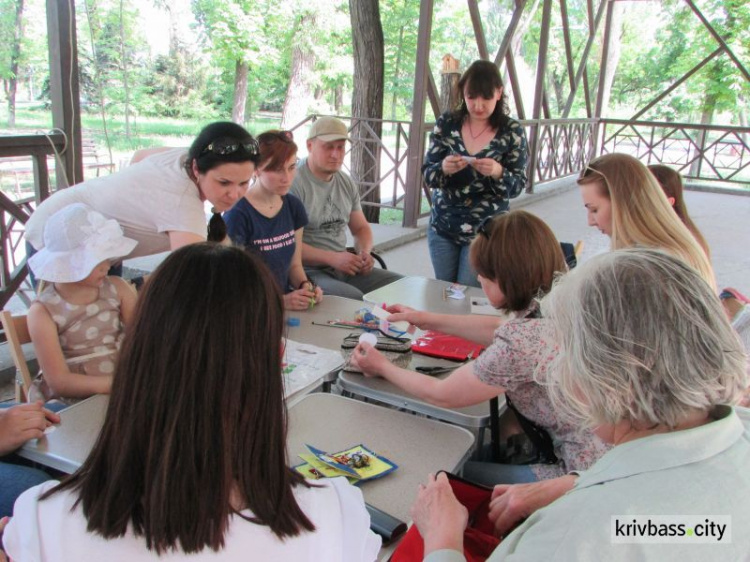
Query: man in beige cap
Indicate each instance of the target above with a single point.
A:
(332, 203)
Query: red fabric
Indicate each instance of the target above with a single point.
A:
(438, 344)
(479, 542)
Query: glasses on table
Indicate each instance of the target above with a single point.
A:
(227, 145)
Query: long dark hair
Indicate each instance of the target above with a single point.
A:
(672, 185)
(482, 79)
(520, 253)
(197, 412)
(208, 160)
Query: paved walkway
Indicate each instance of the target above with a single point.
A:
(723, 219)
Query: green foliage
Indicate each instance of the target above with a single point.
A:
(660, 42)
(653, 61)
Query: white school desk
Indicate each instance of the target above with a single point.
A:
(67, 445)
(423, 294)
(474, 418)
(331, 423)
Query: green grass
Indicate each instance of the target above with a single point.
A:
(147, 132)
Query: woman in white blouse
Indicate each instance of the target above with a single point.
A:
(191, 460)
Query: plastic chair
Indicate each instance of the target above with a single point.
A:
(17, 333)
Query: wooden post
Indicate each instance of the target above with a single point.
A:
(449, 83)
(417, 129)
(63, 72)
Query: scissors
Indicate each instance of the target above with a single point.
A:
(434, 370)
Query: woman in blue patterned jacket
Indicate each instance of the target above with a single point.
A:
(475, 164)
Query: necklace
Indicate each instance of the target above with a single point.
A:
(471, 131)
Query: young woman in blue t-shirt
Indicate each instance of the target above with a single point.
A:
(269, 220)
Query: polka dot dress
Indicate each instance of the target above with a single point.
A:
(90, 335)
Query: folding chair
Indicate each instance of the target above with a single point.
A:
(17, 334)
(374, 255)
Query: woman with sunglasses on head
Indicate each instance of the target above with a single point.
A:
(269, 220)
(159, 200)
(517, 257)
(191, 460)
(625, 202)
(475, 164)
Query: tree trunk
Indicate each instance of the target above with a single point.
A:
(240, 92)
(338, 98)
(707, 115)
(613, 59)
(15, 56)
(299, 94)
(397, 70)
(367, 101)
(125, 85)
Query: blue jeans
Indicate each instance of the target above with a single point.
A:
(16, 477)
(16, 480)
(450, 260)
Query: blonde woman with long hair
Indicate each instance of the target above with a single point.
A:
(625, 202)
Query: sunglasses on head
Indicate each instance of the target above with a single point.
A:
(587, 172)
(225, 146)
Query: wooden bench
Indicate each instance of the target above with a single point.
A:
(18, 167)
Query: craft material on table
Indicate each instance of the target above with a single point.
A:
(482, 306)
(357, 464)
(446, 346)
(454, 291)
(393, 328)
(304, 364)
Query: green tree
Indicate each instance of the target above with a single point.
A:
(11, 36)
(234, 29)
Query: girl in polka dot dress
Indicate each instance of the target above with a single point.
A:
(76, 322)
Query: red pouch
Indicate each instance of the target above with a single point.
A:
(438, 344)
(479, 541)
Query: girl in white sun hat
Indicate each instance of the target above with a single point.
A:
(76, 322)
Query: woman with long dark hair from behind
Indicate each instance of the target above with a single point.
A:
(191, 457)
(671, 183)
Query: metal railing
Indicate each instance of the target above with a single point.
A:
(15, 212)
(703, 153)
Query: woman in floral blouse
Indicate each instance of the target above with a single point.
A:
(517, 257)
(475, 164)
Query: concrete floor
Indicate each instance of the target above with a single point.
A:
(723, 219)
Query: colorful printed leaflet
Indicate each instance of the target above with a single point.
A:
(357, 464)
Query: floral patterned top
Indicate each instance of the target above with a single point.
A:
(461, 201)
(518, 360)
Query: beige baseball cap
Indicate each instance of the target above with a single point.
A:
(328, 129)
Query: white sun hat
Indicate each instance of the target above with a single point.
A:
(76, 240)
